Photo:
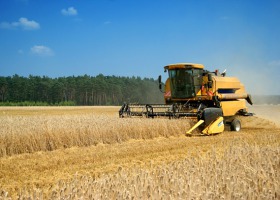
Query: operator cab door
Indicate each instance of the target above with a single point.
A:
(185, 83)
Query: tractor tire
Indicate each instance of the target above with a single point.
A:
(235, 125)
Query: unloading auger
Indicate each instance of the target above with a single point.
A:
(193, 92)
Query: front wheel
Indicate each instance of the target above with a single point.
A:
(235, 125)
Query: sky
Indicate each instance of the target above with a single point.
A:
(60, 38)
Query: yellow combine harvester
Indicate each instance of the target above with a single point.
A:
(192, 91)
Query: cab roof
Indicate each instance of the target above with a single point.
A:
(184, 66)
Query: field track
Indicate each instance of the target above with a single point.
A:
(46, 150)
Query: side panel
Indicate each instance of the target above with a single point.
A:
(230, 108)
(231, 93)
(227, 83)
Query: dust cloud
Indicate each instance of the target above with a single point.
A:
(268, 112)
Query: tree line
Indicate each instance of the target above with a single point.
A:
(78, 90)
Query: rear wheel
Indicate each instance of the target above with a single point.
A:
(235, 125)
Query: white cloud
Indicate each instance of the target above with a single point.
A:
(41, 50)
(28, 25)
(71, 11)
(23, 23)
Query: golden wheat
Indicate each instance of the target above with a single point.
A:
(28, 130)
(89, 153)
(29, 134)
(243, 172)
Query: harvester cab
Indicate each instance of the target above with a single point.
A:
(191, 91)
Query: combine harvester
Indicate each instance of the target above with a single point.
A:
(193, 92)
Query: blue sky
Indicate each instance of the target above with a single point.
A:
(138, 37)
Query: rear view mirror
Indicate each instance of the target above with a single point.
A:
(159, 81)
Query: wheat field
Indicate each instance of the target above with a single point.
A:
(90, 153)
